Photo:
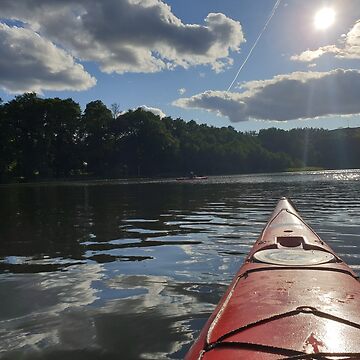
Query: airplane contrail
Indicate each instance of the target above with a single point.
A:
(256, 42)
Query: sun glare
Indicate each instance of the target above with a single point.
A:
(324, 18)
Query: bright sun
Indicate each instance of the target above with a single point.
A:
(324, 18)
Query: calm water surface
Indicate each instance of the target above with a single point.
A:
(132, 270)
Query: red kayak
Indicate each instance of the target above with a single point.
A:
(293, 298)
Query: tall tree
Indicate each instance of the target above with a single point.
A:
(25, 116)
(144, 144)
(6, 148)
(62, 134)
(96, 121)
(115, 110)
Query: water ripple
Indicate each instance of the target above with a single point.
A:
(87, 269)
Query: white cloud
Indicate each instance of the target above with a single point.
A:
(311, 55)
(155, 111)
(129, 35)
(182, 91)
(348, 48)
(299, 95)
(29, 62)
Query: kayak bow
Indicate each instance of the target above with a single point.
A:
(293, 298)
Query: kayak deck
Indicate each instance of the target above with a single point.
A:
(292, 297)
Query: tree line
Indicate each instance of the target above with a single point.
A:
(53, 138)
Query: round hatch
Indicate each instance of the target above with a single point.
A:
(293, 257)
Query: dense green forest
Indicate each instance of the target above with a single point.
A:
(53, 138)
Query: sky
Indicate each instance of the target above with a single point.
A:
(179, 58)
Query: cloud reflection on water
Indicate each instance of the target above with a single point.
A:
(68, 319)
(36, 306)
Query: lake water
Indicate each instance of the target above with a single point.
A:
(132, 270)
